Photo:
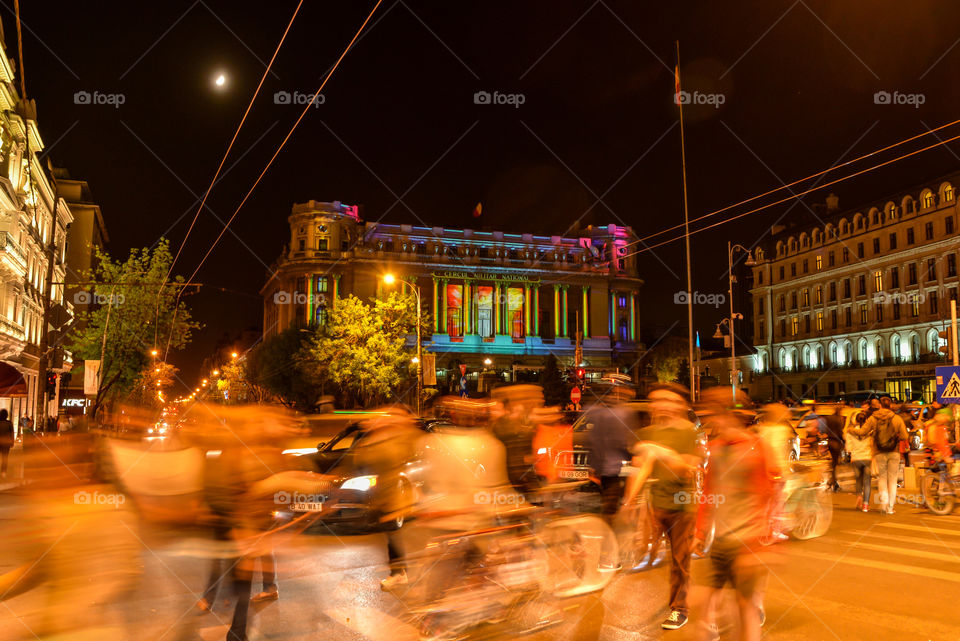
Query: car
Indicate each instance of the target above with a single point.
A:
(348, 495)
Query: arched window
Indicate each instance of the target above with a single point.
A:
(891, 210)
(933, 342)
(878, 351)
(875, 217)
(927, 199)
(806, 357)
(914, 346)
(862, 350)
(946, 193)
(848, 352)
(833, 354)
(819, 362)
(895, 347)
(858, 221)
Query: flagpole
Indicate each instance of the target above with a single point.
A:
(692, 367)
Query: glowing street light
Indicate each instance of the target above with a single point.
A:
(215, 372)
(204, 381)
(415, 360)
(154, 352)
(389, 279)
(234, 355)
(487, 362)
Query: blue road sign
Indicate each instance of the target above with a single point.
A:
(948, 384)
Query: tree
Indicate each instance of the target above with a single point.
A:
(152, 384)
(241, 378)
(551, 379)
(275, 366)
(363, 350)
(667, 358)
(137, 310)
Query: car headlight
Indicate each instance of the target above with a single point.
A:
(361, 483)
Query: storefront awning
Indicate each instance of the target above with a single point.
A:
(12, 384)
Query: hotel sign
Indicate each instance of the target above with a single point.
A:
(511, 278)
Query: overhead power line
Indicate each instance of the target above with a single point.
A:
(791, 197)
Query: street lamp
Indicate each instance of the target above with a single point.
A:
(215, 372)
(750, 262)
(487, 362)
(390, 279)
(234, 355)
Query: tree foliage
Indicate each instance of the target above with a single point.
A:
(274, 366)
(363, 348)
(667, 358)
(135, 311)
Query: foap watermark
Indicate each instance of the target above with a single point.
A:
(497, 98)
(698, 298)
(297, 500)
(882, 298)
(896, 98)
(99, 98)
(691, 498)
(298, 98)
(82, 497)
(698, 98)
(93, 298)
(298, 298)
(499, 498)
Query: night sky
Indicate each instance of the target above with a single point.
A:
(595, 139)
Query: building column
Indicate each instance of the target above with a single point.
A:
(466, 307)
(556, 310)
(633, 316)
(612, 317)
(435, 308)
(563, 300)
(586, 312)
(496, 309)
(526, 309)
(536, 310)
(443, 306)
(310, 303)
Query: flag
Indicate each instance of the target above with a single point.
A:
(478, 210)
(676, 85)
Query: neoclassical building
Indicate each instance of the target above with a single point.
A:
(33, 225)
(855, 301)
(507, 298)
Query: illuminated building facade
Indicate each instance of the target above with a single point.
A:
(855, 302)
(509, 298)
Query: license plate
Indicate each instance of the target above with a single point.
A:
(307, 507)
(574, 474)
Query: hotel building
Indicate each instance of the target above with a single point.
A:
(856, 300)
(508, 298)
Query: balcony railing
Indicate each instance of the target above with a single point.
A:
(888, 361)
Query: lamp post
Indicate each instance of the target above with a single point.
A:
(390, 279)
(731, 279)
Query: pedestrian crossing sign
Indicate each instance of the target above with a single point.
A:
(948, 384)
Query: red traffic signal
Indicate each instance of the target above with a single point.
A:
(581, 373)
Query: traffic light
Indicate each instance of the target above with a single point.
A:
(581, 373)
(51, 379)
(946, 336)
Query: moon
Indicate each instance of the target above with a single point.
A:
(221, 80)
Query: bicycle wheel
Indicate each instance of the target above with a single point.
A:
(813, 514)
(938, 494)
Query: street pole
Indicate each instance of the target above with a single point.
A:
(733, 348)
(686, 236)
(416, 290)
(953, 332)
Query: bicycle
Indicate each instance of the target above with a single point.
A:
(808, 510)
(938, 486)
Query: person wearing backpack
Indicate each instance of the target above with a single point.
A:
(888, 430)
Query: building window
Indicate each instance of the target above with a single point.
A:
(895, 277)
(928, 200)
(833, 291)
(914, 305)
(846, 288)
(863, 314)
(948, 224)
(878, 281)
(781, 273)
(782, 305)
(830, 259)
(910, 238)
(322, 243)
(847, 316)
(320, 315)
(951, 264)
(761, 304)
(876, 246)
(793, 300)
(760, 331)
(893, 240)
(302, 244)
(833, 318)
(861, 285)
(806, 298)
(928, 231)
(912, 274)
(818, 295)
(846, 255)
(794, 326)
(859, 250)
(806, 265)
(819, 263)
(793, 269)
(806, 324)
(819, 321)
(783, 328)
(879, 308)
(322, 284)
(932, 298)
(896, 310)
(931, 269)
(759, 277)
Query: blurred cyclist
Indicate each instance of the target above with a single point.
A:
(737, 494)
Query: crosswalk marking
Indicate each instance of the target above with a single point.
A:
(922, 528)
(953, 577)
(922, 554)
(373, 624)
(916, 540)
